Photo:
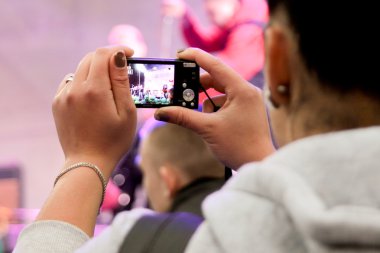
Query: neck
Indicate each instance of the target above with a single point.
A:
(326, 111)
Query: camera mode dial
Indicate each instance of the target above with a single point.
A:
(188, 95)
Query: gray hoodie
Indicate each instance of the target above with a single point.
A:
(320, 194)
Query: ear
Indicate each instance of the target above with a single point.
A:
(170, 179)
(277, 65)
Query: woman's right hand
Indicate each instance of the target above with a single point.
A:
(94, 113)
(239, 131)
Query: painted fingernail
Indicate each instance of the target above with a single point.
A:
(120, 60)
(181, 50)
(161, 116)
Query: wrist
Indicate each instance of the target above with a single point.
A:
(257, 153)
(82, 165)
(105, 165)
(76, 197)
(261, 151)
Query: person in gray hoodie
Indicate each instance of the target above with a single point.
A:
(318, 193)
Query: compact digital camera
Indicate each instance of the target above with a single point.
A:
(163, 82)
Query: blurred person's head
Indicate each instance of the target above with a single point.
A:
(221, 12)
(319, 67)
(129, 36)
(172, 157)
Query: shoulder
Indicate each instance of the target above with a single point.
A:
(237, 221)
(242, 216)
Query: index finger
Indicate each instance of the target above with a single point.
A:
(224, 77)
(99, 69)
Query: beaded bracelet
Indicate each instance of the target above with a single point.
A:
(88, 165)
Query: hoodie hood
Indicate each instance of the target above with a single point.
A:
(320, 226)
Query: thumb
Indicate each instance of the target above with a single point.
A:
(120, 82)
(187, 118)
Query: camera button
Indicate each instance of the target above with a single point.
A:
(183, 103)
(184, 85)
(188, 95)
(192, 104)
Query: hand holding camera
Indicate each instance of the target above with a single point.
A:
(234, 139)
(97, 103)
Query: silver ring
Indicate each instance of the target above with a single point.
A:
(69, 78)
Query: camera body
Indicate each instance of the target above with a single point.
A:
(158, 82)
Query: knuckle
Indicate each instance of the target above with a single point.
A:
(90, 94)
(198, 51)
(252, 93)
(131, 110)
(179, 119)
(55, 105)
(70, 98)
(256, 92)
(182, 119)
(217, 67)
(88, 55)
(121, 77)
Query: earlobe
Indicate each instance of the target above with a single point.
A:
(277, 65)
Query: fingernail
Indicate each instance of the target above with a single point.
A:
(161, 116)
(120, 60)
(181, 50)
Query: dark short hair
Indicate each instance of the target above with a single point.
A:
(337, 41)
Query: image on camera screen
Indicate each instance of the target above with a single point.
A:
(151, 83)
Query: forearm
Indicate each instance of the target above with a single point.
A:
(196, 36)
(99, 137)
(76, 198)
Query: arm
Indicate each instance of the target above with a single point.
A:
(210, 40)
(196, 36)
(98, 136)
(244, 50)
(239, 131)
(95, 119)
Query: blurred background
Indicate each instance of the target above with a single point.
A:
(40, 42)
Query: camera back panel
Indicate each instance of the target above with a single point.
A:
(163, 82)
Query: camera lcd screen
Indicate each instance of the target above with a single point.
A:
(151, 84)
